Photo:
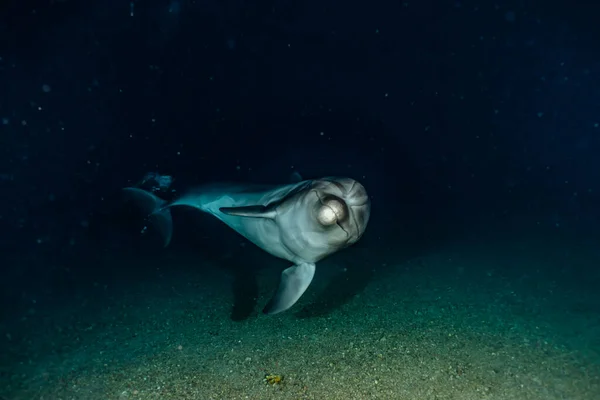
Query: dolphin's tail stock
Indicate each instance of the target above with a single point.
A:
(156, 209)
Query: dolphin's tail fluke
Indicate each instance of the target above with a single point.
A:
(155, 208)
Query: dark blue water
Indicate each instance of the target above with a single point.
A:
(473, 126)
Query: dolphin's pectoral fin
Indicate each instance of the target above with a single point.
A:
(250, 211)
(294, 282)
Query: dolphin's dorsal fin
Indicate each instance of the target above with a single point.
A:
(250, 211)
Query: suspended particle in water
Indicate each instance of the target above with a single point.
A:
(230, 44)
(46, 88)
(510, 16)
(174, 7)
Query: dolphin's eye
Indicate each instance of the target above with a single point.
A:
(331, 211)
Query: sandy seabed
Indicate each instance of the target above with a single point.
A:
(470, 321)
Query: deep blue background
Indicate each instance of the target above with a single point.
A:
(449, 112)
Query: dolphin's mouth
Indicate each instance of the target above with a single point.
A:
(345, 231)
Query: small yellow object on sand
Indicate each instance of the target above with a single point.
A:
(272, 379)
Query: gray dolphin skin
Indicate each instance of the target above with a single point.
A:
(302, 222)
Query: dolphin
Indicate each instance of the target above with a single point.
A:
(302, 222)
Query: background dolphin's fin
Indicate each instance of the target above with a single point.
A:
(155, 208)
(295, 177)
(294, 282)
